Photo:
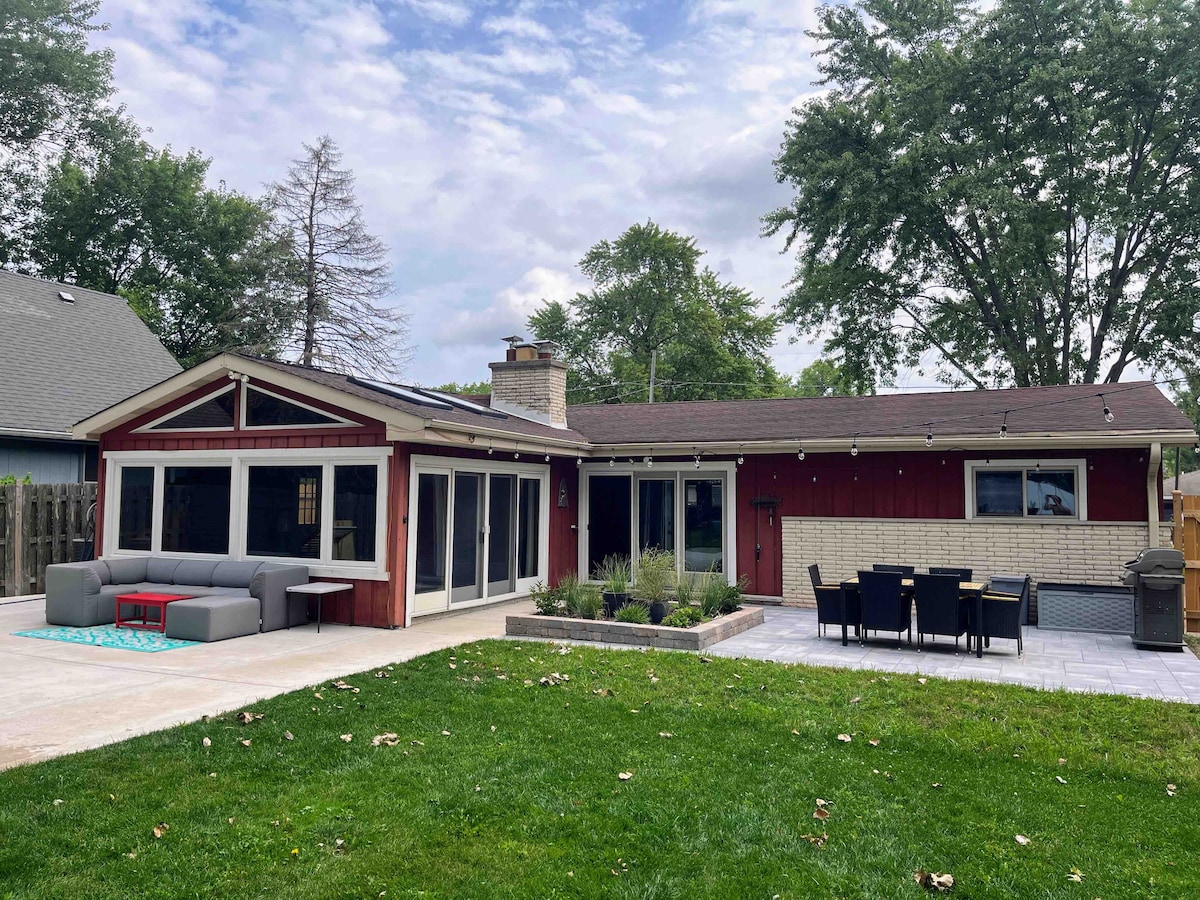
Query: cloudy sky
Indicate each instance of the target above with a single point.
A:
(493, 141)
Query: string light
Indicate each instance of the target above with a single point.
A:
(854, 446)
(1004, 425)
(517, 452)
(929, 438)
(800, 453)
(612, 462)
(649, 461)
(547, 455)
(740, 459)
(489, 448)
(1108, 413)
(578, 461)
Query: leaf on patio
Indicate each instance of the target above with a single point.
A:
(934, 881)
(845, 738)
(347, 738)
(1022, 840)
(624, 776)
(1060, 779)
(159, 830)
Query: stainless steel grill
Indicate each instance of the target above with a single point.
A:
(1156, 577)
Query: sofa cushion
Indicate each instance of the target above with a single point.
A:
(195, 571)
(126, 569)
(234, 574)
(227, 592)
(212, 618)
(192, 590)
(161, 569)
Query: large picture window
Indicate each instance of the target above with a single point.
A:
(249, 504)
(195, 509)
(1016, 489)
(283, 512)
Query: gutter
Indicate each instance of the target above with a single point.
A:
(1152, 493)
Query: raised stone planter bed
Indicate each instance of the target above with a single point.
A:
(698, 637)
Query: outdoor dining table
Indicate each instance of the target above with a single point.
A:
(968, 589)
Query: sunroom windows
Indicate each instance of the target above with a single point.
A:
(478, 531)
(674, 507)
(260, 409)
(328, 513)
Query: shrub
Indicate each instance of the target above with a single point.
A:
(546, 600)
(615, 572)
(731, 600)
(634, 611)
(711, 593)
(684, 617)
(655, 575)
(685, 591)
(585, 601)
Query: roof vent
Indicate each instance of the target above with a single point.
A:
(65, 297)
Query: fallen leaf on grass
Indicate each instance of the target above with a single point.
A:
(1171, 790)
(795, 731)
(934, 881)
(417, 743)
(625, 776)
(317, 694)
(856, 700)
(1061, 761)
(1060, 779)
(493, 727)
(246, 742)
(247, 717)
(445, 734)
(845, 738)
(922, 680)
(343, 686)
(665, 734)
(288, 736)
(874, 742)
(1022, 840)
(817, 840)
(453, 666)
(58, 802)
(160, 829)
(207, 742)
(820, 813)
(1075, 875)
(936, 784)
(347, 738)
(390, 739)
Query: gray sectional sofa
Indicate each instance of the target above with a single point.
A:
(229, 598)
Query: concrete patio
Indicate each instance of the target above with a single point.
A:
(1074, 660)
(68, 697)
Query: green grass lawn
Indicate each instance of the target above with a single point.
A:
(500, 786)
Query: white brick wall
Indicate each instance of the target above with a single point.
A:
(1089, 552)
(538, 385)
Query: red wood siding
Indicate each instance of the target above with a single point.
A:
(564, 537)
(905, 485)
(367, 604)
(397, 540)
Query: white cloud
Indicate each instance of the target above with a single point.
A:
(509, 311)
(756, 78)
(518, 26)
(446, 12)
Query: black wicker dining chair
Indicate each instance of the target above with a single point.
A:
(963, 574)
(814, 575)
(906, 571)
(1002, 616)
(940, 609)
(829, 608)
(884, 604)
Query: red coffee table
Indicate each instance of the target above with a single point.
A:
(146, 602)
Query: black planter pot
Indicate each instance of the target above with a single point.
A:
(659, 610)
(613, 602)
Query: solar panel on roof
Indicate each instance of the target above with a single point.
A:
(402, 393)
(463, 404)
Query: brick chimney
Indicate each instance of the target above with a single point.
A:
(531, 383)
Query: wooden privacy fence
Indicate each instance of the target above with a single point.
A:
(1187, 539)
(39, 525)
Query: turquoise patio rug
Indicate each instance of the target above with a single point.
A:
(110, 636)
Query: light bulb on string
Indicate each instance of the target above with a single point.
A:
(1004, 426)
(649, 461)
(1108, 413)
(741, 459)
(929, 438)
(854, 446)
(800, 453)
(612, 462)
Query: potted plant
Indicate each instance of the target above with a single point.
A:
(616, 574)
(655, 577)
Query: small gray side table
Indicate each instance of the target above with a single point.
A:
(319, 589)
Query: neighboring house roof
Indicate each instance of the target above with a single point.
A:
(1138, 408)
(61, 361)
(1189, 483)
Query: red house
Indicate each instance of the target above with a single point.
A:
(427, 502)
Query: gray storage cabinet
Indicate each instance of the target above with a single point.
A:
(1085, 607)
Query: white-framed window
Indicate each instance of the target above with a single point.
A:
(690, 511)
(478, 531)
(324, 508)
(1026, 489)
(262, 409)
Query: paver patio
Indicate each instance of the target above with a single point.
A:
(1074, 660)
(65, 697)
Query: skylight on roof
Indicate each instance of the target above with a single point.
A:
(66, 297)
(402, 393)
(463, 404)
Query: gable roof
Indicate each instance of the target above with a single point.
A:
(60, 361)
(1189, 483)
(1076, 409)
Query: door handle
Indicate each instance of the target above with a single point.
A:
(757, 552)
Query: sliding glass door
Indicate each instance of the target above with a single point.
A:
(477, 531)
(680, 510)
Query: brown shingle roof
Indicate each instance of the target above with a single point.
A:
(1137, 407)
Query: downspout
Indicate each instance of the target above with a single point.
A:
(1152, 498)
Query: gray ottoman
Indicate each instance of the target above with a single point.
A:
(212, 618)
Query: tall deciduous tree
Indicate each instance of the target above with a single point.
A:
(652, 299)
(342, 269)
(203, 267)
(1012, 189)
(827, 378)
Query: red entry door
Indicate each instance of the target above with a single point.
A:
(768, 552)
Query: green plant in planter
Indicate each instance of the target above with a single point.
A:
(731, 600)
(634, 611)
(615, 573)
(546, 600)
(685, 617)
(655, 576)
(685, 591)
(585, 601)
(711, 591)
